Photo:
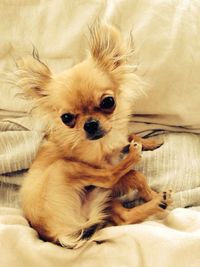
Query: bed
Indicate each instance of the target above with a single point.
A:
(166, 55)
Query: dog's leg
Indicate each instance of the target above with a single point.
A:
(121, 215)
(106, 177)
(147, 144)
(134, 180)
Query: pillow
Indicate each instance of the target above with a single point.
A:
(166, 36)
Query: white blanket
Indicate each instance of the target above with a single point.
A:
(167, 56)
(175, 243)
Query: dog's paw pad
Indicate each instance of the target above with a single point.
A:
(136, 146)
(163, 205)
(165, 199)
(165, 195)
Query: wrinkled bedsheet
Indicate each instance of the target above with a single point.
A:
(175, 242)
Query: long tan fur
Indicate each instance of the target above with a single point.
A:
(54, 195)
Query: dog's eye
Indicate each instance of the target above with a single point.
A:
(108, 103)
(68, 119)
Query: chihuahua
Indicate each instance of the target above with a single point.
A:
(70, 190)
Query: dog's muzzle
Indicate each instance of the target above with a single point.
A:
(93, 129)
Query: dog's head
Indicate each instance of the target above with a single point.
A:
(88, 104)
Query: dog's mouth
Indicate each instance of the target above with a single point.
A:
(98, 135)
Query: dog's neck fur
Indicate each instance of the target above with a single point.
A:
(98, 152)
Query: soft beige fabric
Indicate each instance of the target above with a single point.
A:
(167, 57)
(18, 145)
(172, 243)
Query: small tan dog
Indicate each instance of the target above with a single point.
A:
(87, 109)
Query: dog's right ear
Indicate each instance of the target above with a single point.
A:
(33, 77)
(106, 46)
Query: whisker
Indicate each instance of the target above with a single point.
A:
(114, 119)
(124, 111)
(119, 120)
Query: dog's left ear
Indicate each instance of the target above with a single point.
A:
(33, 77)
(106, 47)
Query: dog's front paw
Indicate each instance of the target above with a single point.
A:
(135, 150)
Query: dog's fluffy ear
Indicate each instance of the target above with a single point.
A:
(33, 77)
(106, 46)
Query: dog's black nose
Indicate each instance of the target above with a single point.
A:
(91, 126)
(93, 129)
